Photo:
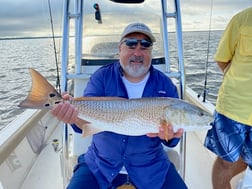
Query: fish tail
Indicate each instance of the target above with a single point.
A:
(42, 94)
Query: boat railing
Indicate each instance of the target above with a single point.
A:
(22, 142)
(18, 131)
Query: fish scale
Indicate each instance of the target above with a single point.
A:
(117, 110)
(141, 116)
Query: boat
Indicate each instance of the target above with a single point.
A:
(38, 151)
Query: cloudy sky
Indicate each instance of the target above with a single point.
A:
(31, 18)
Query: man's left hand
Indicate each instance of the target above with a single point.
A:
(166, 132)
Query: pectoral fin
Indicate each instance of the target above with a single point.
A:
(88, 129)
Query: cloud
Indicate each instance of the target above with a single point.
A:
(27, 18)
(31, 18)
(197, 13)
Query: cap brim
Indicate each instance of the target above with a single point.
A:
(148, 34)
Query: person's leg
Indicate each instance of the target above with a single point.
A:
(82, 177)
(224, 171)
(226, 139)
(246, 181)
(173, 179)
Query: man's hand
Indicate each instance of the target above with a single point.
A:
(65, 111)
(166, 132)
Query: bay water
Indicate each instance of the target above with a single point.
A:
(17, 55)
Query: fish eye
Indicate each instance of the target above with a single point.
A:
(201, 114)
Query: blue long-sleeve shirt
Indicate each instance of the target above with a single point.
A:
(143, 157)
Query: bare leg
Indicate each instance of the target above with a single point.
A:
(224, 171)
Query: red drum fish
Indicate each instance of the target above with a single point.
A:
(124, 116)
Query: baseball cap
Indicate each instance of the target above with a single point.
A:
(138, 28)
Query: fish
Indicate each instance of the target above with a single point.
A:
(132, 117)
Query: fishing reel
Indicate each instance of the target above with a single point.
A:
(203, 94)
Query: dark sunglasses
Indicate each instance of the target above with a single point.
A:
(132, 42)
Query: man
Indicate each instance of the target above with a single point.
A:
(231, 135)
(143, 157)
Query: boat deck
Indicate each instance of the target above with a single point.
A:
(46, 171)
(199, 163)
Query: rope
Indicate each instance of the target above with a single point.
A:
(54, 46)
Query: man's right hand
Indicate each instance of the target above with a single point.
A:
(65, 111)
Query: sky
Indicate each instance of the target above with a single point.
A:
(26, 18)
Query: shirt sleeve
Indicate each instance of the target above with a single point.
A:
(95, 85)
(171, 143)
(76, 129)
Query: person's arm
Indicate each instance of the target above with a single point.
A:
(223, 66)
(67, 113)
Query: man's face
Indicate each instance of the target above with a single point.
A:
(135, 58)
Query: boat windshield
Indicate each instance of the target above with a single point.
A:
(101, 37)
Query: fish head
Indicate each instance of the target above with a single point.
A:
(185, 115)
(199, 116)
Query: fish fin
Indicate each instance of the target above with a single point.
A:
(98, 98)
(42, 94)
(88, 129)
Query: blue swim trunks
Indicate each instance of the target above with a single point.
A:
(229, 139)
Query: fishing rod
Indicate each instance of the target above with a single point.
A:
(54, 46)
(205, 90)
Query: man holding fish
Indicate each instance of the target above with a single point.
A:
(142, 156)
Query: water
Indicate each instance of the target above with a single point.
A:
(20, 54)
(16, 57)
(195, 58)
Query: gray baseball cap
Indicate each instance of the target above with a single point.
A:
(138, 28)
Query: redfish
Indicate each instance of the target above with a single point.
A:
(132, 117)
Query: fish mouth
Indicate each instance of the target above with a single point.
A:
(210, 125)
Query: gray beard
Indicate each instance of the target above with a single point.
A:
(135, 70)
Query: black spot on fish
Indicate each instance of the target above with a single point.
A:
(57, 102)
(51, 95)
(47, 105)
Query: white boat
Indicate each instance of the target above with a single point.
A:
(37, 151)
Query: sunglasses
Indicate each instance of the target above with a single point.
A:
(132, 42)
